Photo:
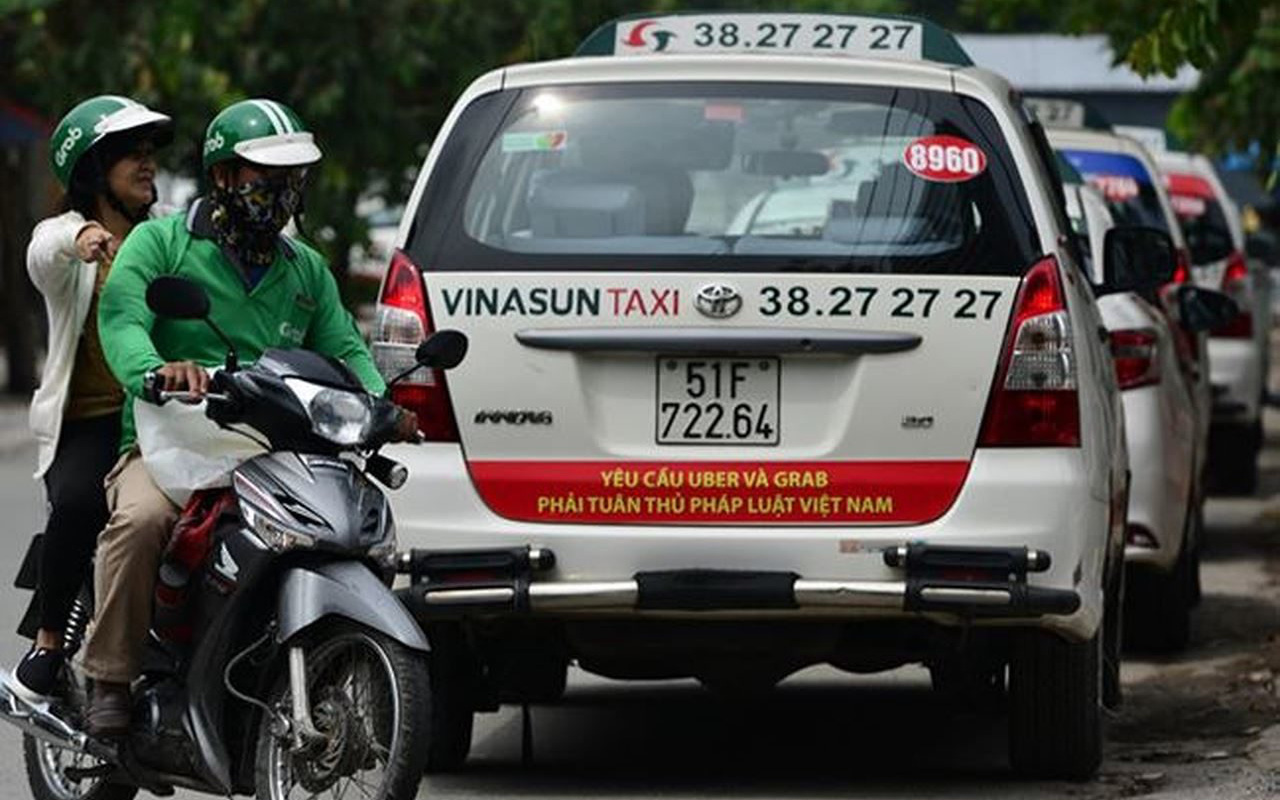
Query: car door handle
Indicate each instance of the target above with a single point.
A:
(753, 341)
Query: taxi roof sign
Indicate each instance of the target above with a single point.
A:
(889, 36)
(1066, 112)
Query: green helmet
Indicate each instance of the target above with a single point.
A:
(94, 120)
(261, 132)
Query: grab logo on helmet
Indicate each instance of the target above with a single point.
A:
(214, 143)
(68, 144)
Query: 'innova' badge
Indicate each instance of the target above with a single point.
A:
(718, 300)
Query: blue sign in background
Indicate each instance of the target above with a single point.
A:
(1091, 163)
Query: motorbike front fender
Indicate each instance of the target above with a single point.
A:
(346, 589)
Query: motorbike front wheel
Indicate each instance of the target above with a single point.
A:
(369, 699)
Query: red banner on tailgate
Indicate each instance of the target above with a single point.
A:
(733, 492)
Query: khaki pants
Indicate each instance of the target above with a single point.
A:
(129, 551)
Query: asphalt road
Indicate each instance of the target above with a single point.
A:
(1204, 725)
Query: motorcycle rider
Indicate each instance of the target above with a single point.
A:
(266, 290)
(102, 154)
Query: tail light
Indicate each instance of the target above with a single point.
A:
(403, 321)
(1136, 356)
(1182, 271)
(1235, 284)
(1034, 401)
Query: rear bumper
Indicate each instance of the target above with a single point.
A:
(1049, 500)
(1235, 373)
(1158, 497)
(990, 583)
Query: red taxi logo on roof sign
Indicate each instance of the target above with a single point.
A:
(944, 159)
(649, 35)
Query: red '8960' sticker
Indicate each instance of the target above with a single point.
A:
(944, 159)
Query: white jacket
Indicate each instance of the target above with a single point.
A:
(67, 285)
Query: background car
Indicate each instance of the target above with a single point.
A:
(1240, 351)
(1164, 532)
(1125, 172)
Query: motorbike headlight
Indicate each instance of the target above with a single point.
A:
(276, 536)
(342, 417)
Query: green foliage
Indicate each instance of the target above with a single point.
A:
(1234, 43)
(373, 80)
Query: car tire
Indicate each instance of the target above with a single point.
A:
(1112, 636)
(1236, 450)
(1055, 706)
(1195, 536)
(452, 674)
(1159, 606)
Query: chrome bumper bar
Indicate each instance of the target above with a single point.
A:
(986, 582)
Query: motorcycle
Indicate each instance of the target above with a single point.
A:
(279, 662)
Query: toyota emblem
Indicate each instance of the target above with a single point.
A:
(718, 300)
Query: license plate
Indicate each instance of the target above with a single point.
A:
(718, 401)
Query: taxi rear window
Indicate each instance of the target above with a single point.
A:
(726, 177)
(1205, 227)
(1125, 183)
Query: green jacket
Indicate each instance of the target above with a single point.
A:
(296, 304)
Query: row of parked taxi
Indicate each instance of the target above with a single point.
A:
(799, 339)
(1192, 401)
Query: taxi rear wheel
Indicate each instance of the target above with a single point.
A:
(1055, 707)
(1235, 453)
(452, 673)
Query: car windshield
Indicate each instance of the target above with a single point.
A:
(733, 177)
(1126, 184)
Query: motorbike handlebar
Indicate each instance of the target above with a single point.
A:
(192, 397)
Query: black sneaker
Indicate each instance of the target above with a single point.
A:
(37, 674)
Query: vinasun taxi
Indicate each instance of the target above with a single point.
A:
(695, 437)
(1166, 446)
(1239, 352)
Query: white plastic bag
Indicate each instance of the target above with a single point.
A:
(185, 451)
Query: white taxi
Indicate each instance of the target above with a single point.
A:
(1239, 352)
(687, 442)
(1124, 170)
(1163, 535)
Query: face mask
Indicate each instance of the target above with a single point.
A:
(247, 219)
(263, 207)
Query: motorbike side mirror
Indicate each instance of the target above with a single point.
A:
(1137, 259)
(171, 297)
(1204, 309)
(442, 350)
(177, 298)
